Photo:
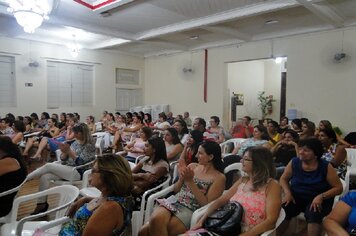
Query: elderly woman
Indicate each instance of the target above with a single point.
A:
(309, 184)
(111, 174)
(342, 219)
(12, 172)
(198, 184)
(81, 151)
(257, 192)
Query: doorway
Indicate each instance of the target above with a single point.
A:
(246, 79)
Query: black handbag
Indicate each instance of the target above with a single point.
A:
(226, 220)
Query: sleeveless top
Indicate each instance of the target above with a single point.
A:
(308, 184)
(329, 155)
(169, 148)
(76, 226)
(254, 205)
(9, 181)
(139, 144)
(186, 197)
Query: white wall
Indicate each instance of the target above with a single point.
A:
(247, 78)
(317, 87)
(33, 99)
(272, 87)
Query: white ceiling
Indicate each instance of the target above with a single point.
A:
(166, 26)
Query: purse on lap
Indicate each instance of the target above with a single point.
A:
(226, 220)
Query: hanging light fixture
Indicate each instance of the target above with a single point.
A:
(74, 48)
(30, 13)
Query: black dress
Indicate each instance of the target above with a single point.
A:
(9, 181)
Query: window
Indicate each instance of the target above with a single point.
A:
(127, 98)
(69, 85)
(7, 82)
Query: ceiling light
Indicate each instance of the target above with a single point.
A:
(271, 22)
(30, 13)
(74, 48)
(278, 60)
(194, 37)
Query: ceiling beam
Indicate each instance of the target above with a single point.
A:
(228, 31)
(325, 12)
(167, 45)
(218, 18)
(108, 43)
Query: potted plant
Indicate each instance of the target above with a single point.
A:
(265, 103)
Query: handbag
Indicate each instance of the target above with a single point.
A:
(226, 220)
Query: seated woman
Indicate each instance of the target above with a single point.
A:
(152, 167)
(286, 149)
(51, 131)
(342, 219)
(325, 124)
(173, 145)
(12, 172)
(334, 153)
(19, 129)
(62, 122)
(182, 129)
(260, 137)
(53, 143)
(110, 213)
(308, 130)
(161, 124)
(137, 147)
(258, 193)
(283, 125)
(27, 121)
(297, 125)
(90, 121)
(198, 184)
(189, 153)
(125, 134)
(309, 185)
(81, 151)
(216, 132)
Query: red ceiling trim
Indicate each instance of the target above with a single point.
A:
(93, 7)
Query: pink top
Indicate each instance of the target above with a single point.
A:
(253, 203)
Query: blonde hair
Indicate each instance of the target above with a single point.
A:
(115, 173)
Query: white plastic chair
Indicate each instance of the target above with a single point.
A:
(235, 141)
(234, 166)
(25, 226)
(351, 156)
(86, 190)
(138, 217)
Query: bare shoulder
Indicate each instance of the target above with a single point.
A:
(273, 186)
(193, 165)
(111, 207)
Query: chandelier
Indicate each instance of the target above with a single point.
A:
(30, 13)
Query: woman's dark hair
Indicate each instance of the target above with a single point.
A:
(91, 118)
(163, 115)
(138, 117)
(263, 130)
(311, 127)
(34, 116)
(147, 131)
(20, 126)
(8, 121)
(149, 117)
(10, 115)
(84, 130)
(29, 119)
(213, 148)
(330, 133)
(174, 133)
(285, 118)
(327, 124)
(197, 136)
(304, 120)
(128, 115)
(314, 144)
(46, 115)
(262, 165)
(115, 173)
(294, 134)
(216, 119)
(20, 118)
(184, 125)
(159, 146)
(298, 123)
(76, 114)
(54, 120)
(11, 149)
(142, 114)
(273, 123)
(118, 113)
(112, 116)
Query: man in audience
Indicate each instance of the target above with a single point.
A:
(242, 129)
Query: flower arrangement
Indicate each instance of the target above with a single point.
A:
(265, 103)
